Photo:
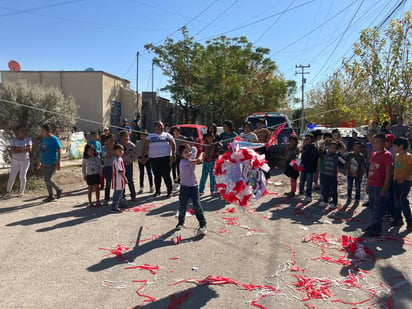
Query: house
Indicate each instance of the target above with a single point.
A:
(103, 99)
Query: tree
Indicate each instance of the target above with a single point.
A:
(33, 105)
(382, 69)
(227, 78)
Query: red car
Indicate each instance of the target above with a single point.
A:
(196, 131)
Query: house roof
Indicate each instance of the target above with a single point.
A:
(83, 72)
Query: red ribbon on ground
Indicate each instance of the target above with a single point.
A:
(141, 208)
(148, 298)
(152, 268)
(118, 251)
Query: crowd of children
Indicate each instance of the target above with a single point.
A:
(383, 159)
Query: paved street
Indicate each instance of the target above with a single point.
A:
(276, 254)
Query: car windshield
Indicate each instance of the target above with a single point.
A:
(188, 132)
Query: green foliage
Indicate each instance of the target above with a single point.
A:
(61, 112)
(382, 70)
(227, 78)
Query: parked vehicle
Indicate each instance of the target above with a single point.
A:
(273, 120)
(324, 128)
(196, 131)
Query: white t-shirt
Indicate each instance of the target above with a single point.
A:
(249, 137)
(159, 145)
(15, 142)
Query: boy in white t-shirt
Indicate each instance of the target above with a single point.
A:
(119, 179)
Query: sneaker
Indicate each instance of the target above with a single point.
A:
(6, 195)
(286, 193)
(140, 191)
(21, 194)
(91, 205)
(323, 204)
(116, 209)
(201, 193)
(151, 190)
(180, 226)
(48, 199)
(332, 206)
(156, 194)
(169, 194)
(176, 186)
(202, 231)
(291, 194)
(307, 199)
(59, 193)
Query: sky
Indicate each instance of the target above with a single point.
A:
(106, 35)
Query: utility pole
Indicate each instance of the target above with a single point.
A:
(302, 72)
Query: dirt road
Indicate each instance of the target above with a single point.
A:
(59, 255)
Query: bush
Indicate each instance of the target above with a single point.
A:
(33, 105)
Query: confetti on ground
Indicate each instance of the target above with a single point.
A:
(118, 251)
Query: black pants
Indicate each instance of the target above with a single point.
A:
(175, 170)
(161, 169)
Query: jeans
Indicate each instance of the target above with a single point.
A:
(357, 187)
(21, 168)
(207, 169)
(129, 176)
(377, 205)
(193, 194)
(116, 198)
(390, 202)
(330, 188)
(293, 184)
(149, 173)
(161, 169)
(108, 172)
(401, 192)
(308, 178)
(48, 172)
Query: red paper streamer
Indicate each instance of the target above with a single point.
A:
(152, 268)
(118, 251)
(275, 135)
(141, 208)
(229, 210)
(219, 280)
(148, 298)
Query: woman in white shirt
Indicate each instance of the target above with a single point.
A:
(21, 146)
(159, 148)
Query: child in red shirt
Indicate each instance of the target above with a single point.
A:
(379, 179)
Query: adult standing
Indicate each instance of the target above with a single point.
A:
(130, 155)
(399, 130)
(160, 148)
(228, 134)
(136, 128)
(50, 157)
(21, 146)
(179, 140)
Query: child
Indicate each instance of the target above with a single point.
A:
(317, 135)
(355, 168)
(291, 153)
(380, 175)
(189, 189)
(95, 142)
(262, 133)
(228, 134)
(142, 163)
(92, 168)
(108, 157)
(119, 179)
(330, 177)
(310, 157)
(210, 155)
(247, 135)
(402, 180)
(129, 156)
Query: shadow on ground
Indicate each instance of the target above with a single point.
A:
(192, 298)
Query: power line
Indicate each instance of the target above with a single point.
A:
(272, 24)
(313, 30)
(257, 21)
(38, 8)
(340, 39)
(217, 17)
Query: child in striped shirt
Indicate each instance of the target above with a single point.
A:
(119, 179)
